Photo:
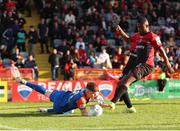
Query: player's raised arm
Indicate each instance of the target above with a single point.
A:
(115, 25)
(122, 33)
(163, 54)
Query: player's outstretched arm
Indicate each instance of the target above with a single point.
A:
(163, 54)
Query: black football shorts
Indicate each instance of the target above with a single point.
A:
(142, 70)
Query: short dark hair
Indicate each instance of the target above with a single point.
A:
(91, 86)
(142, 19)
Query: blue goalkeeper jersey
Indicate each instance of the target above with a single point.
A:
(64, 101)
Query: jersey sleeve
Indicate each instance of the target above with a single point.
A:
(134, 38)
(156, 42)
(81, 103)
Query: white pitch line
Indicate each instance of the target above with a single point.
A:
(8, 127)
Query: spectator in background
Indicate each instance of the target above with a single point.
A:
(20, 62)
(90, 50)
(32, 40)
(21, 20)
(43, 31)
(66, 57)
(54, 60)
(31, 63)
(170, 42)
(21, 39)
(110, 50)
(4, 54)
(93, 60)
(104, 59)
(115, 63)
(80, 43)
(16, 27)
(70, 18)
(103, 40)
(124, 23)
(10, 6)
(63, 47)
(47, 11)
(84, 60)
(108, 33)
(8, 36)
(70, 67)
(81, 51)
(55, 33)
(28, 5)
(76, 57)
(15, 55)
(119, 54)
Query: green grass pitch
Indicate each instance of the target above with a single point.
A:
(153, 114)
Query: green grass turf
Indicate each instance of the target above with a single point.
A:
(161, 114)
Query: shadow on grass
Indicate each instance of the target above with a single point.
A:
(157, 103)
(150, 103)
(27, 107)
(37, 114)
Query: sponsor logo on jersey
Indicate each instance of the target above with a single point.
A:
(105, 89)
(158, 41)
(24, 91)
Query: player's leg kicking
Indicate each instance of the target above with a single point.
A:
(122, 92)
(35, 87)
(139, 72)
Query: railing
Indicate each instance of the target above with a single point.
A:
(5, 75)
(113, 74)
(26, 73)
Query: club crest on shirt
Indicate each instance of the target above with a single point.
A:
(105, 89)
(24, 91)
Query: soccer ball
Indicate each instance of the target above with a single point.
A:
(96, 110)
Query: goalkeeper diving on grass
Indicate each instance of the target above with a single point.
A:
(65, 101)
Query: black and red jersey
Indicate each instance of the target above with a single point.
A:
(144, 46)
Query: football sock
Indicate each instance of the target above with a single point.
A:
(126, 99)
(36, 87)
(120, 90)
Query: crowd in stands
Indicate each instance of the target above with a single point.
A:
(81, 31)
(81, 36)
(13, 47)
